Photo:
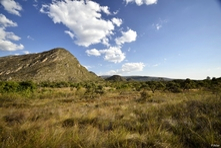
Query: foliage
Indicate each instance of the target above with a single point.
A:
(24, 88)
(173, 87)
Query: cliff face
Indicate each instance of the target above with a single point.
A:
(54, 65)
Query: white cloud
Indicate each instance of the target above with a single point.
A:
(105, 9)
(141, 2)
(26, 52)
(127, 68)
(117, 21)
(7, 45)
(4, 22)
(116, 12)
(11, 6)
(69, 33)
(105, 41)
(131, 67)
(127, 37)
(112, 72)
(83, 18)
(93, 52)
(112, 54)
(12, 36)
(150, 2)
(5, 37)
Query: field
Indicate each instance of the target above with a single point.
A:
(71, 117)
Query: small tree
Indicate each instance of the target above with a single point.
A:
(173, 87)
(187, 84)
(215, 86)
(155, 85)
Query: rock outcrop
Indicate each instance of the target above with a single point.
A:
(55, 65)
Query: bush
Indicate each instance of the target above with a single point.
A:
(10, 86)
(144, 96)
(25, 88)
(173, 87)
(27, 85)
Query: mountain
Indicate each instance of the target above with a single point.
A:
(139, 78)
(55, 65)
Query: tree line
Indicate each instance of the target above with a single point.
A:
(174, 86)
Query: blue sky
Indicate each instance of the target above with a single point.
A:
(165, 38)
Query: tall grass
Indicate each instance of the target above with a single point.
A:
(63, 118)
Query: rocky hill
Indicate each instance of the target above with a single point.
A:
(55, 65)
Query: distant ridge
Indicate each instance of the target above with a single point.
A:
(116, 78)
(138, 78)
(54, 65)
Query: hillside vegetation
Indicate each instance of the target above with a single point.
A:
(107, 114)
(55, 65)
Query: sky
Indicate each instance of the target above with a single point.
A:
(163, 38)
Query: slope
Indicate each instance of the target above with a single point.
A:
(55, 65)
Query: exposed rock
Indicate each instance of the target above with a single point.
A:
(55, 65)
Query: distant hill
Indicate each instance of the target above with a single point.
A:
(139, 78)
(116, 78)
(55, 65)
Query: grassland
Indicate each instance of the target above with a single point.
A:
(67, 118)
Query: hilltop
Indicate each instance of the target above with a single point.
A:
(135, 78)
(54, 65)
(116, 78)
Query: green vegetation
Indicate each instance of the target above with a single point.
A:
(109, 114)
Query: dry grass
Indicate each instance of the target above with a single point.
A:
(63, 118)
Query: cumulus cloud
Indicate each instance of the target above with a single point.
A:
(130, 67)
(105, 9)
(12, 36)
(127, 37)
(82, 18)
(6, 38)
(127, 68)
(7, 45)
(11, 6)
(117, 21)
(112, 54)
(141, 2)
(93, 52)
(105, 41)
(4, 22)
